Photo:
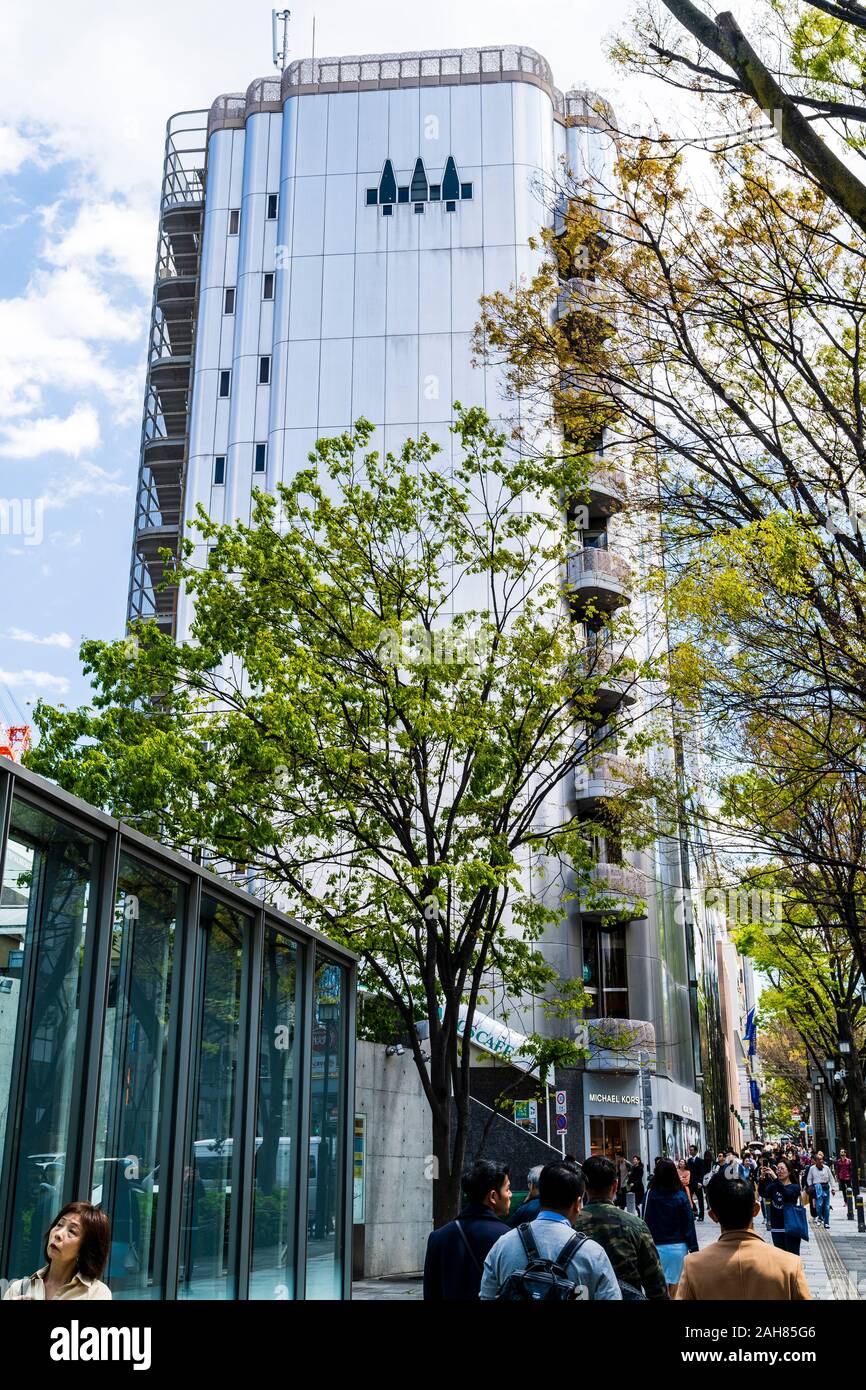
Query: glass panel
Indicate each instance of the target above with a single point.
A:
(275, 1192)
(206, 1210)
(327, 1138)
(219, 470)
(48, 903)
(261, 457)
(268, 291)
(133, 1095)
(272, 206)
(225, 383)
(234, 221)
(230, 301)
(264, 370)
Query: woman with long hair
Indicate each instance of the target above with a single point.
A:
(77, 1246)
(668, 1214)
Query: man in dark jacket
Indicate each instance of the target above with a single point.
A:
(697, 1173)
(457, 1251)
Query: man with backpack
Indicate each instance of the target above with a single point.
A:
(548, 1260)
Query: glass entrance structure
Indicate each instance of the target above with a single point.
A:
(175, 1050)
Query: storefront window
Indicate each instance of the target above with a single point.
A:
(47, 908)
(275, 1192)
(133, 1097)
(325, 1217)
(207, 1212)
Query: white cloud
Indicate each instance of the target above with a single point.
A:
(52, 435)
(88, 480)
(54, 639)
(39, 682)
(15, 149)
(52, 337)
(117, 237)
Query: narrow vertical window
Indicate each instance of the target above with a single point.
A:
(264, 370)
(225, 384)
(219, 470)
(229, 302)
(234, 221)
(268, 286)
(273, 204)
(261, 458)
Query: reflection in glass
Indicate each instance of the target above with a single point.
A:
(327, 1138)
(129, 1128)
(272, 1273)
(604, 971)
(48, 899)
(206, 1210)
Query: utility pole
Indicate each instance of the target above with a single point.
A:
(845, 1051)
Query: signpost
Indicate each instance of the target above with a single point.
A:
(646, 1096)
(562, 1117)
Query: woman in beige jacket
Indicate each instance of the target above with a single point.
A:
(77, 1246)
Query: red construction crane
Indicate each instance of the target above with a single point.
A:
(16, 742)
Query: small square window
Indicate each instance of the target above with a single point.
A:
(372, 196)
(264, 370)
(261, 458)
(234, 221)
(225, 384)
(219, 470)
(268, 285)
(387, 210)
(419, 207)
(466, 190)
(435, 192)
(273, 204)
(450, 206)
(229, 301)
(403, 193)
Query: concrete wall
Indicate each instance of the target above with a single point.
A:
(399, 1190)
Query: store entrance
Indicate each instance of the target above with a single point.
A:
(613, 1137)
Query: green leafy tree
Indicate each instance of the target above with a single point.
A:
(379, 756)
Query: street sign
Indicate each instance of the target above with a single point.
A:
(646, 1088)
(802, 1124)
(561, 1103)
(795, 1114)
(648, 1118)
(526, 1115)
(562, 1124)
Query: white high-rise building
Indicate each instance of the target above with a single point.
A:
(324, 242)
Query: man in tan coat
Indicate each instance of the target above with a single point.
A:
(741, 1267)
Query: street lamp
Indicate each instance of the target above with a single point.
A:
(845, 1051)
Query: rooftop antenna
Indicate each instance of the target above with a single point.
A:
(280, 29)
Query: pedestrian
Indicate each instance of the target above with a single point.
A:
(623, 1169)
(547, 1241)
(819, 1179)
(636, 1181)
(697, 1172)
(531, 1204)
(787, 1220)
(669, 1216)
(77, 1245)
(686, 1181)
(625, 1238)
(740, 1267)
(843, 1172)
(456, 1252)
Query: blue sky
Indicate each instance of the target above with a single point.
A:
(84, 95)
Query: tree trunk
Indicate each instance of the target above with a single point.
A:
(447, 1167)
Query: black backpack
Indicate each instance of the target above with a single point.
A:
(544, 1279)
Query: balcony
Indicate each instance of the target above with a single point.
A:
(614, 891)
(597, 578)
(615, 1044)
(603, 779)
(606, 490)
(619, 688)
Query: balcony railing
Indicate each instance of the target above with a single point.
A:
(615, 890)
(616, 1044)
(598, 577)
(604, 777)
(614, 682)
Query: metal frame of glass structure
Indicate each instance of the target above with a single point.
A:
(63, 997)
